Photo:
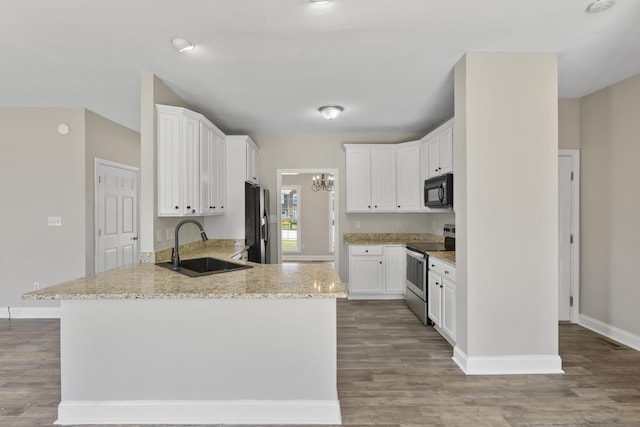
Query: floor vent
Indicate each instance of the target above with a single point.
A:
(611, 344)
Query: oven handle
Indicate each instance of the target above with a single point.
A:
(416, 255)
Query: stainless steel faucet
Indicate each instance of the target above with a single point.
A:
(175, 257)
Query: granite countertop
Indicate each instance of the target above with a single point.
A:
(390, 238)
(149, 281)
(446, 256)
(401, 239)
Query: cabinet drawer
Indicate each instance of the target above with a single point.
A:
(442, 269)
(366, 250)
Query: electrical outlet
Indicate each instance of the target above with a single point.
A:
(168, 233)
(159, 235)
(36, 286)
(398, 224)
(358, 224)
(54, 221)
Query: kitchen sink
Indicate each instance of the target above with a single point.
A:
(204, 266)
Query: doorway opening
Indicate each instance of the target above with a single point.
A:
(290, 208)
(308, 226)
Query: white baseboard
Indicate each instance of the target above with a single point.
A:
(615, 333)
(287, 257)
(507, 365)
(375, 296)
(30, 312)
(200, 412)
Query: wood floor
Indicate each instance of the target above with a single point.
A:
(392, 371)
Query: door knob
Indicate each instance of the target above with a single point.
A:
(134, 238)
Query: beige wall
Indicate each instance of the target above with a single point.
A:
(49, 174)
(42, 174)
(610, 205)
(508, 223)
(325, 151)
(153, 91)
(313, 223)
(105, 140)
(568, 123)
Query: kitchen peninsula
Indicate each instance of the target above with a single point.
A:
(143, 344)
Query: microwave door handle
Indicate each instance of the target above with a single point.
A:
(441, 193)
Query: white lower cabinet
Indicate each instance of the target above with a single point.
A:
(395, 269)
(377, 271)
(442, 298)
(366, 272)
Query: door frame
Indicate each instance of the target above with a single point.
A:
(574, 155)
(103, 162)
(336, 186)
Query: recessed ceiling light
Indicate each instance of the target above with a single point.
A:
(330, 112)
(182, 45)
(600, 5)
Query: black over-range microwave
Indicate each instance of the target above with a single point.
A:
(438, 192)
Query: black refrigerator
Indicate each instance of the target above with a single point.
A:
(256, 223)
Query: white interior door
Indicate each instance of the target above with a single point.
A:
(116, 215)
(568, 205)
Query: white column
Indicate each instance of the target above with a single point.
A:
(506, 144)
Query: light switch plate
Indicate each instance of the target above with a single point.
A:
(54, 221)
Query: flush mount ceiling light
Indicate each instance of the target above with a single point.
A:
(320, 1)
(600, 5)
(330, 112)
(182, 45)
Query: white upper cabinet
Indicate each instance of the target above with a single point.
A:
(439, 146)
(358, 162)
(212, 171)
(253, 162)
(169, 164)
(189, 176)
(383, 177)
(409, 183)
(371, 178)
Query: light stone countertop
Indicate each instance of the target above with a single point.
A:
(390, 238)
(149, 281)
(446, 256)
(401, 239)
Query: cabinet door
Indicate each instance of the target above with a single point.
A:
(408, 185)
(434, 156)
(252, 163)
(365, 274)
(449, 308)
(358, 164)
(395, 267)
(383, 173)
(190, 165)
(446, 151)
(221, 173)
(434, 298)
(208, 190)
(169, 172)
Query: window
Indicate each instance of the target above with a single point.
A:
(290, 203)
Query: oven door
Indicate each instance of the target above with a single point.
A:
(417, 273)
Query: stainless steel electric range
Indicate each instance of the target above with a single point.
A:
(417, 262)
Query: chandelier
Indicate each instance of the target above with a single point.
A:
(322, 183)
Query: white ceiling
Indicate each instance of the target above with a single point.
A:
(265, 66)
